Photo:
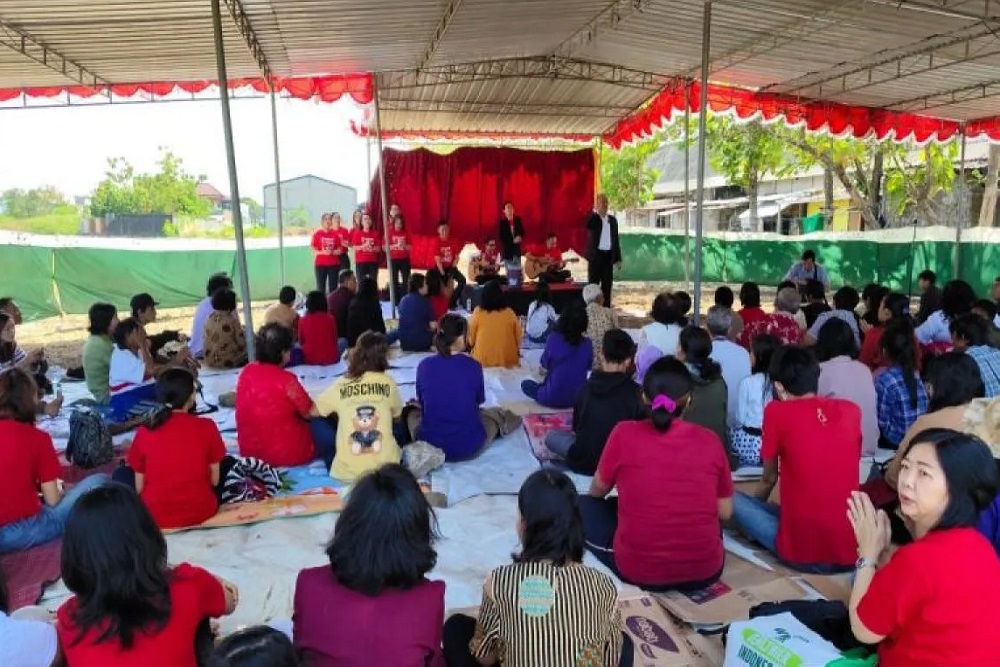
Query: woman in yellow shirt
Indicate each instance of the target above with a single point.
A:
(494, 330)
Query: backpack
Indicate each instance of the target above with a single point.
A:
(89, 439)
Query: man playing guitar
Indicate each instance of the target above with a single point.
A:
(550, 264)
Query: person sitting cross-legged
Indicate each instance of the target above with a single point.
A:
(610, 396)
(567, 359)
(674, 486)
(817, 443)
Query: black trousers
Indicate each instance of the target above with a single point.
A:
(401, 277)
(456, 275)
(367, 270)
(326, 278)
(601, 271)
(458, 632)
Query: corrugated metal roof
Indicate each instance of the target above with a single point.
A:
(934, 57)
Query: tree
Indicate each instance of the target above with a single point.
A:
(254, 210)
(988, 210)
(19, 203)
(626, 178)
(171, 190)
(746, 152)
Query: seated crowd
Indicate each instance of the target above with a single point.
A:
(659, 422)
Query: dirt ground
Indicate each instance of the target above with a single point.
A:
(63, 337)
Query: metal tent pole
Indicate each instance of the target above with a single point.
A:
(687, 185)
(234, 187)
(277, 181)
(368, 174)
(384, 196)
(956, 253)
(699, 221)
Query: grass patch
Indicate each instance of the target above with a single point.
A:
(66, 224)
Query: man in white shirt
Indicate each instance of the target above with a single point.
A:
(604, 254)
(734, 360)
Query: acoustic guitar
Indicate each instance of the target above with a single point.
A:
(536, 266)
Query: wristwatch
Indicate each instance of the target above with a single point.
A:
(863, 563)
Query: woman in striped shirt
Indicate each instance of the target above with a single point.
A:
(546, 608)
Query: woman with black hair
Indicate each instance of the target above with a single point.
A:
(225, 342)
(25, 641)
(276, 419)
(365, 313)
(674, 485)
(177, 484)
(417, 323)
(399, 253)
(710, 396)
(366, 402)
(129, 606)
(842, 376)
(373, 603)
(367, 246)
(318, 333)
(871, 298)
(750, 302)
(131, 371)
(257, 646)
(541, 319)
(814, 294)
(894, 305)
(451, 389)
(97, 349)
(931, 602)
(755, 392)
(494, 330)
(546, 608)
(34, 507)
(902, 396)
(665, 329)
(957, 299)
(567, 359)
(439, 291)
(953, 382)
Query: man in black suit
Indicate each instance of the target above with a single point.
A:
(510, 232)
(604, 254)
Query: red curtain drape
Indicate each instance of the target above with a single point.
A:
(552, 191)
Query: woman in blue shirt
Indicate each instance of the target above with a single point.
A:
(416, 317)
(901, 394)
(567, 358)
(450, 390)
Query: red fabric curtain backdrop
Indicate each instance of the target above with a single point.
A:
(552, 191)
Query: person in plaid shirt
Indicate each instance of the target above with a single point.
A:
(781, 323)
(902, 396)
(970, 334)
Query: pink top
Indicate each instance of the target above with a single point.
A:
(335, 626)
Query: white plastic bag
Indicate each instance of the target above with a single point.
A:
(776, 641)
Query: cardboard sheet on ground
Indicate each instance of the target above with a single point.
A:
(742, 586)
(281, 507)
(538, 426)
(662, 641)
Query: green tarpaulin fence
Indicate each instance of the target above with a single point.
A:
(48, 281)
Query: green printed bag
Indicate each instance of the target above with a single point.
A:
(782, 641)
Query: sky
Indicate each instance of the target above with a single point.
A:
(68, 147)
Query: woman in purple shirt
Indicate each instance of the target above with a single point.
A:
(373, 604)
(567, 358)
(450, 390)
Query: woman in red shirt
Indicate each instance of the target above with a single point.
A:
(399, 253)
(892, 306)
(178, 484)
(674, 486)
(933, 601)
(129, 607)
(29, 465)
(366, 249)
(276, 419)
(381, 552)
(326, 245)
(318, 332)
(439, 293)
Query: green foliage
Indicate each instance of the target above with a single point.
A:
(171, 190)
(60, 223)
(746, 152)
(625, 177)
(22, 204)
(298, 217)
(254, 210)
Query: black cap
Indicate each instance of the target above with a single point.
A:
(141, 302)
